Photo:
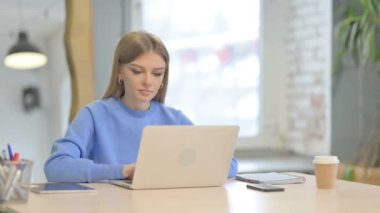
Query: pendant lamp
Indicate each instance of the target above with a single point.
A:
(24, 55)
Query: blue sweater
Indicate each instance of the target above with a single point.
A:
(103, 137)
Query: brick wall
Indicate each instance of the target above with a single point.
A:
(309, 59)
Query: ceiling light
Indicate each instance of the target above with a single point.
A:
(24, 55)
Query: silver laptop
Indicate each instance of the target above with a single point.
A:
(183, 156)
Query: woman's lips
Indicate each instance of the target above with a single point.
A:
(145, 92)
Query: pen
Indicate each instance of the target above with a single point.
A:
(16, 157)
(10, 152)
(4, 154)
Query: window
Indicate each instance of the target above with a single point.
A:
(215, 67)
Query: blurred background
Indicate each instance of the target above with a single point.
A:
(264, 65)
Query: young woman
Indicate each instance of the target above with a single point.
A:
(102, 141)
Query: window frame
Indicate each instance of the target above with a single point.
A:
(272, 123)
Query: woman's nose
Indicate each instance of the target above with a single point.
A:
(147, 79)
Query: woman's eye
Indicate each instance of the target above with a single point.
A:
(158, 74)
(135, 71)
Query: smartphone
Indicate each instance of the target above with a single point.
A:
(265, 187)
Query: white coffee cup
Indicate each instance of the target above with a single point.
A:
(326, 171)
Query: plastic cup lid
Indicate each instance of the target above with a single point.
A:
(325, 159)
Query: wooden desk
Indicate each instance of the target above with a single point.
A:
(233, 197)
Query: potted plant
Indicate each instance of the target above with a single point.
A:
(358, 35)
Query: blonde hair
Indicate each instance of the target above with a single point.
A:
(131, 46)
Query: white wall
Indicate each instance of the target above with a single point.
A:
(309, 71)
(59, 84)
(274, 57)
(106, 36)
(31, 133)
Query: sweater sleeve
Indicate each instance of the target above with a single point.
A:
(68, 161)
(233, 168)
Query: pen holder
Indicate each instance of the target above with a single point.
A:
(14, 181)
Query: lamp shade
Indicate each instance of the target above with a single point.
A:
(23, 55)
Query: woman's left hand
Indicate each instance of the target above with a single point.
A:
(128, 171)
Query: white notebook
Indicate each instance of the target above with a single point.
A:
(271, 178)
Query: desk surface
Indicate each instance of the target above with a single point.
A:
(233, 197)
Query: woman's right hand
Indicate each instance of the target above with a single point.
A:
(128, 171)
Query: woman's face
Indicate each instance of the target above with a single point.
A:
(142, 79)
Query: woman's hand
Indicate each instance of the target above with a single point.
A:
(128, 171)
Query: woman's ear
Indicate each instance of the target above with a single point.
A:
(119, 75)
